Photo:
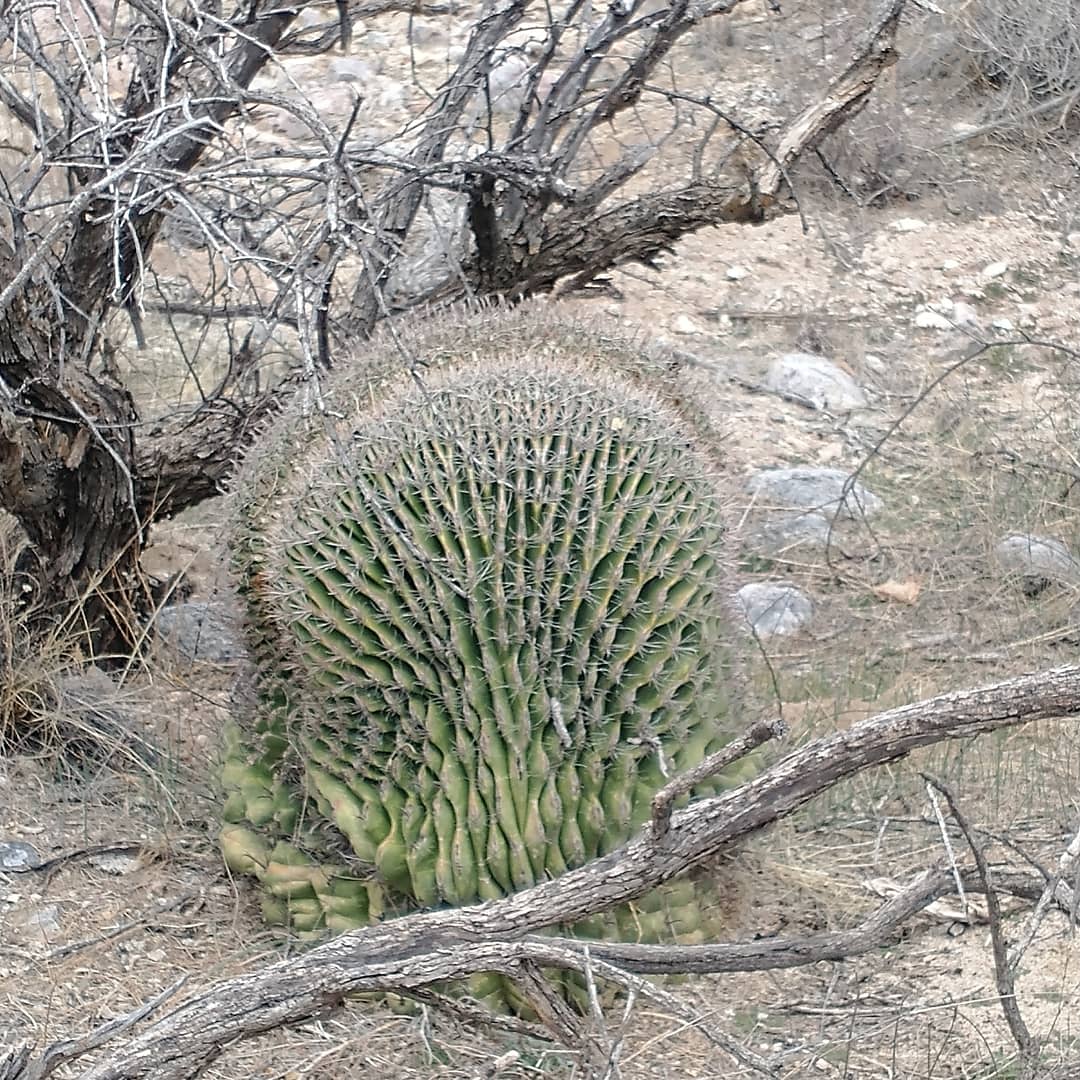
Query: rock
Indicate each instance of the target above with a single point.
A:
(907, 224)
(45, 919)
(963, 314)
(775, 609)
(200, 630)
(925, 319)
(1039, 561)
(737, 273)
(813, 488)
(815, 380)
(683, 324)
(100, 715)
(351, 69)
(115, 862)
(1004, 325)
(779, 533)
(17, 856)
(993, 270)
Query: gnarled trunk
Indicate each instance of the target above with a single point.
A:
(67, 445)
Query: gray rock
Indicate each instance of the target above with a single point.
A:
(350, 69)
(1038, 560)
(98, 712)
(816, 381)
(780, 532)
(201, 630)
(45, 918)
(774, 608)
(17, 856)
(811, 488)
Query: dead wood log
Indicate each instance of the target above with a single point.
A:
(415, 951)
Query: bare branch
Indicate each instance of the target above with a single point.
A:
(420, 949)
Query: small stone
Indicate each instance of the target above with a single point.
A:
(200, 630)
(925, 319)
(115, 862)
(45, 918)
(17, 856)
(683, 324)
(908, 224)
(1005, 325)
(350, 69)
(775, 609)
(993, 270)
(950, 264)
(737, 273)
(964, 314)
(815, 380)
(1039, 561)
(813, 488)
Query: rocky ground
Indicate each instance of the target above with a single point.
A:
(891, 344)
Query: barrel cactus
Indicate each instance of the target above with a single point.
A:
(488, 610)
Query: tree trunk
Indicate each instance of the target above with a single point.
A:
(67, 444)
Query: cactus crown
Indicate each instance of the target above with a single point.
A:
(489, 610)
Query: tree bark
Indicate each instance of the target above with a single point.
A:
(66, 473)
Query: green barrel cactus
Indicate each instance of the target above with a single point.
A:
(488, 607)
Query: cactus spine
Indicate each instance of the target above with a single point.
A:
(487, 614)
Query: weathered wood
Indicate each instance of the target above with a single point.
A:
(429, 947)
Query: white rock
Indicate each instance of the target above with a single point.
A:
(737, 273)
(1003, 324)
(964, 314)
(950, 264)
(775, 609)
(908, 224)
(1039, 560)
(815, 380)
(925, 319)
(993, 270)
(683, 324)
(812, 488)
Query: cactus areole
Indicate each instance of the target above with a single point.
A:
(489, 612)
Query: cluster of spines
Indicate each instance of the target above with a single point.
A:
(466, 750)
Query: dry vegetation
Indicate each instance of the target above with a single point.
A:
(133, 895)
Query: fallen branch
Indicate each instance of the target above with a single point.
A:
(421, 949)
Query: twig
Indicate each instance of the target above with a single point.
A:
(119, 928)
(429, 947)
(1067, 864)
(20, 1066)
(1003, 973)
(664, 801)
(947, 843)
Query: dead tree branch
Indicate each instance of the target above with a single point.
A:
(418, 950)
